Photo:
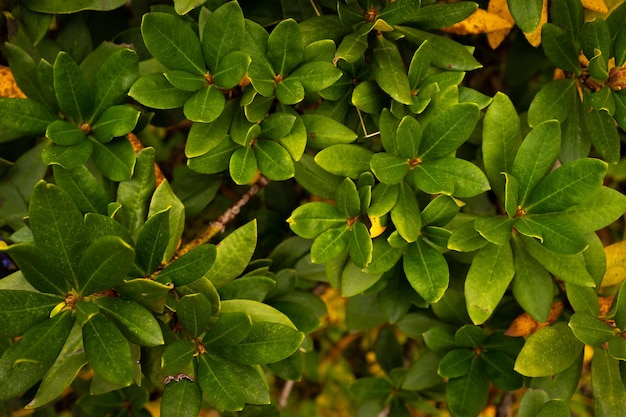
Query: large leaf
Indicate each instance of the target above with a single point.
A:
(134, 321)
(219, 382)
(192, 266)
(559, 49)
(452, 176)
(487, 279)
(40, 268)
(194, 313)
(527, 14)
(389, 70)
(172, 42)
(274, 161)
(426, 270)
(556, 234)
(22, 310)
(25, 116)
(553, 101)
(548, 351)
(233, 254)
(152, 241)
(181, 398)
(224, 32)
(25, 362)
(468, 394)
(448, 130)
(345, 160)
(115, 160)
(154, 90)
(104, 264)
(608, 386)
(72, 92)
(229, 329)
(284, 47)
(134, 193)
(205, 105)
(310, 220)
(114, 79)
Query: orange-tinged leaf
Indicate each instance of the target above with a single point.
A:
(8, 87)
(615, 264)
(534, 38)
(595, 5)
(499, 8)
(525, 324)
(481, 21)
(605, 304)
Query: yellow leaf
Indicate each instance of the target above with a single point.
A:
(8, 87)
(500, 8)
(595, 5)
(615, 264)
(378, 226)
(534, 38)
(481, 21)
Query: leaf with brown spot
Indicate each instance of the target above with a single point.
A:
(525, 324)
(481, 21)
(499, 8)
(8, 86)
(605, 305)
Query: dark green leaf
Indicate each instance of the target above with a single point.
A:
(555, 234)
(135, 193)
(426, 270)
(553, 101)
(369, 388)
(154, 90)
(355, 280)
(25, 116)
(290, 91)
(330, 244)
(315, 179)
(134, 321)
(233, 255)
(40, 268)
(219, 382)
(323, 131)
(448, 130)
(149, 293)
(316, 75)
(22, 310)
(113, 80)
(608, 388)
(68, 157)
(194, 313)
(499, 370)
(595, 40)
(466, 238)
(181, 398)
(205, 105)
(191, 266)
(285, 48)
(115, 121)
(399, 12)
(63, 133)
(451, 176)
(215, 160)
(532, 284)
(406, 214)
(116, 159)
(224, 32)
(360, 245)
(589, 329)
(467, 395)
(559, 48)
(185, 81)
(437, 16)
(243, 165)
(228, 330)
(456, 363)
(54, 7)
(603, 134)
(422, 374)
(352, 47)
(152, 241)
(104, 264)
(389, 70)
(526, 14)
(274, 161)
(71, 89)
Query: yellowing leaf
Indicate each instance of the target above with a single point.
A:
(8, 87)
(615, 264)
(499, 8)
(605, 305)
(377, 227)
(524, 324)
(534, 38)
(595, 5)
(481, 21)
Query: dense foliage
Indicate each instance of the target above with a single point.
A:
(465, 203)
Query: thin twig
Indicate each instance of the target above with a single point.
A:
(284, 394)
(317, 11)
(367, 135)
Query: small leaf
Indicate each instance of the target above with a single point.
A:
(360, 245)
(290, 91)
(330, 244)
(205, 105)
(72, 92)
(426, 270)
(389, 70)
(406, 214)
(63, 133)
(243, 165)
(152, 241)
(115, 121)
(345, 160)
(273, 160)
(228, 330)
(194, 313)
(154, 90)
(104, 264)
(190, 267)
(348, 200)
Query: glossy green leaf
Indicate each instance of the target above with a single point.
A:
(602, 133)
(467, 395)
(440, 15)
(532, 284)
(526, 14)
(563, 384)
(448, 130)
(172, 43)
(345, 160)
(548, 351)
(608, 387)
(285, 48)
(113, 80)
(315, 179)
(243, 165)
(219, 382)
(191, 266)
(620, 47)
(72, 92)
(466, 238)
(104, 264)
(154, 90)
(595, 40)
(205, 136)
(384, 197)
(224, 32)
(456, 363)
(348, 200)
(26, 362)
(181, 398)
(162, 199)
(309, 220)
(115, 160)
(589, 329)
(352, 47)
(22, 310)
(40, 269)
(273, 160)
(330, 244)
(290, 91)
(228, 330)
(487, 279)
(231, 70)
(184, 80)
(583, 299)
(68, 157)
(426, 270)
(135, 193)
(496, 230)
(559, 48)
(233, 254)
(316, 75)
(499, 370)
(63, 133)
(215, 160)
(388, 168)
(53, 7)
(555, 234)
(360, 245)
(152, 241)
(258, 312)
(205, 105)
(24, 69)
(115, 121)
(406, 214)
(149, 293)
(553, 101)
(26, 116)
(134, 321)
(108, 351)
(389, 70)
(452, 176)
(571, 184)
(323, 131)
(194, 313)
(440, 211)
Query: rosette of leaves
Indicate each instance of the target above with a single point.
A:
(223, 331)
(81, 112)
(201, 65)
(550, 212)
(588, 99)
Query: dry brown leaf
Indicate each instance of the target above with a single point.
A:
(500, 8)
(524, 324)
(595, 5)
(481, 21)
(534, 38)
(8, 87)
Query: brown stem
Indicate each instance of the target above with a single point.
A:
(138, 146)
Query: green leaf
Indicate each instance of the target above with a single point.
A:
(205, 136)
(154, 90)
(446, 53)
(548, 351)
(563, 384)
(355, 280)
(181, 398)
(134, 321)
(322, 131)
(496, 230)
(72, 92)
(24, 71)
(440, 211)
(223, 33)
(406, 214)
(487, 279)
(388, 168)
(265, 343)
(595, 40)
(285, 48)
(589, 329)
(113, 80)
(277, 125)
(115, 121)
(527, 14)
(162, 199)
(420, 63)
(559, 48)
(535, 157)
(456, 363)
(68, 157)
(194, 313)
(499, 369)
(233, 254)
(553, 101)
(348, 200)
(620, 47)
(452, 176)
(311, 219)
(108, 351)
(22, 310)
(63, 133)
(532, 284)
(190, 267)
(352, 47)
(345, 160)
(104, 264)
(205, 105)
(422, 374)
(54, 7)
(274, 161)
(555, 234)
(397, 13)
(583, 299)
(185, 81)
(389, 70)
(371, 388)
(608, 387)
(26, 116)
(258, 312)
(316, 75)
(466, 238)
(289, 91)
(440, 15)
(26, 362)
(315, 179)
(571, 184)
(360, 245)
(173, 43)
(115, 160)
(40, 269)
(215, 160)
(330, 244)
(467, 395)
(135, 193)
(603, 134)
(569, 15)
(228, 330)
(152, 241)
(219, 383)
(448, 130)
(426, 270)
(243, 165)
